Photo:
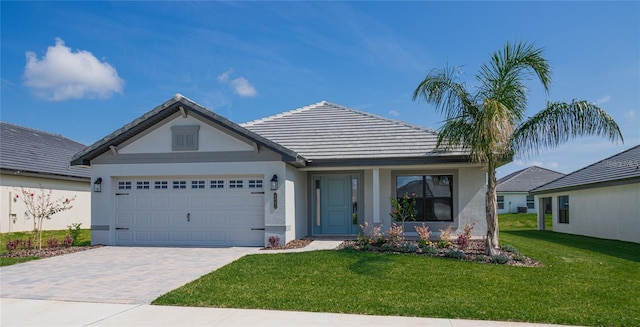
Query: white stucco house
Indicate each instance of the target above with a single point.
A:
(31, 159)
(513, 190)
(183, 175)
(601, 200)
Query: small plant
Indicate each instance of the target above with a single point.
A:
(387, 247)
(274, 240)
(519, 257)
(13, 245)
(456, 254)
(510, 248)
(424, 234)
(464, 238)
(68, 241)
(430, 250)
(499, 259)
(408, 247)
(482, 258)
(445, 236)
(404, 208)
(396, 234)
(53, 243)
(370, 234)
(74, 231)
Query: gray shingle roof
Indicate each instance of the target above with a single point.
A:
(619, 168)
(31, 151)
(527, 179)
(326, 131)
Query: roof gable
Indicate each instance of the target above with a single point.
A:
(619, 168)
(184, 106)
(27, 150)
(328, 132)
(527, 179)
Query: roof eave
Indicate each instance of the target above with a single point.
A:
(608, 183)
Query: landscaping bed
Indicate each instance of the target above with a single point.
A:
(46, 252)
(295, 244)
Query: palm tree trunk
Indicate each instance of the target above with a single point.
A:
(491, 211)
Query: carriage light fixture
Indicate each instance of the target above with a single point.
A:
(274, 183)
(97, 185)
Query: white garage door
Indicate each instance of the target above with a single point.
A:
(207, 211)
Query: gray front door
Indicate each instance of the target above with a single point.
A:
(334, 199)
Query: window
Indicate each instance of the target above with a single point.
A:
(255, 183)
(235, 183)
(142, 185)
(179, 185)
(184, 138)
(197, 184)
(217, 184)
(433, 193)
(563, 209)
(124, 185)
(530, 202)
(160, 185)
(500, 199)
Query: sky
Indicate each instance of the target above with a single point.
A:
(85, 69)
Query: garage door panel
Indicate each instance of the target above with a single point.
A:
(162, 236)
(143, 236)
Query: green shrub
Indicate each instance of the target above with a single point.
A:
(430, 250)
(499, 259)
(510, 248)
(456, 254)
(519, 257)
(74, 232)
(482, 258)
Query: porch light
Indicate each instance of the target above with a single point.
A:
(274, 183)
(97, 185)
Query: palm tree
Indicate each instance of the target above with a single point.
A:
(491, 123)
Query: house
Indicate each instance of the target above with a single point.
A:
(513, 190)
(183, 175)
(601, 200)
(31, 159)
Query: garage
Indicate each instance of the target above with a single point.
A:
(193, 211)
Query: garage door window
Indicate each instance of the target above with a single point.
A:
(142, 185)
(179, 185)
(255, 183)
(197, 185)
(160, 185)
(124, 185)
(217, 183)
(236, 183)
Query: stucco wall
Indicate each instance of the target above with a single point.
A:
(296, 200)
(606, 212)
(471, 204)
(10, 186)
(514, 200)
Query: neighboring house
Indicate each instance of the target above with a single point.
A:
(513, 190)
(183, 175)
(601, 200)
(32, 159)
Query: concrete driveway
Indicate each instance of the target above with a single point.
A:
(113, 274)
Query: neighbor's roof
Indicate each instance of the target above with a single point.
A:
(621, 168)
(171, 106)
(326, 132)
(28, 151)
(527, 179)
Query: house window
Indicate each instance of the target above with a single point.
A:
(235, 183)
(160, 185)
(255, 183)
(433, 193)
(142, 185)
(184, 138)
(124, 185)
(500, 199)
(217, 184)
(197, 184)
(563, 209)
(179, 185)
(530, 202)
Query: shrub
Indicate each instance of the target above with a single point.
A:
(53, 243)
(68, 241)
(510, 248)
(519, 257)
(387, 247)
(274, 240)
(396, 234)
(74, 232)
(13, 245)
(482, 258)
(424, 234)
(403, 209)
(445, 236)
(430, 250)
(408, 247)
(456, 254)
(370, 234)
(499, 259)
(463, 239)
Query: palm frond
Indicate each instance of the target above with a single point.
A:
(441, 87)
(560, 122)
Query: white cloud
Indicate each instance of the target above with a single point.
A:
(242, 87)
(225, 76)
(630, 115)
(63, 74)
(394, 113)
(603, 100)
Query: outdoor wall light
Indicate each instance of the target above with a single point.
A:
(97, 185)
(274, 183)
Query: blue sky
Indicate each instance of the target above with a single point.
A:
(84, 69)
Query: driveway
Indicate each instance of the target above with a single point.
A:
(113, 274)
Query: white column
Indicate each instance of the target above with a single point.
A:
(376, 196)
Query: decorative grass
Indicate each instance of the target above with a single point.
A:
(83, 240)
(585, 281)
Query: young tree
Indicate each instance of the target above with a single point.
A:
(40, 207)
(491, 122)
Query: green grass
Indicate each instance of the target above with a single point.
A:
(83, 240)
(585, 281)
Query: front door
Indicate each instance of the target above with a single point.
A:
(335, 204)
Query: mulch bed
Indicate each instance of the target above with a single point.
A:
(474, 252)
(295, 244)
(47, 252)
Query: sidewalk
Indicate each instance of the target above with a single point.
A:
(20, 312)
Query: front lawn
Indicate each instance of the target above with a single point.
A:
(584, 281)
(83, 240)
